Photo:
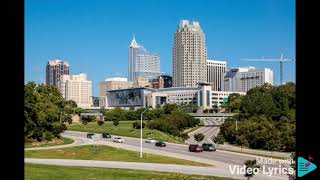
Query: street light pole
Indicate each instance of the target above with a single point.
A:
(141, 133)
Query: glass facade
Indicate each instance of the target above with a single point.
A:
(126, 98)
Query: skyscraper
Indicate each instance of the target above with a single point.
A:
(189, 55)
(142, 63)
(54, 70)
(77, 88)
(215, 73)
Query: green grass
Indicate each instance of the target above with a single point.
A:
(106, 153)
(250, 153)
(53, 172)
(192, 129)
(65, 141)
(124, 129)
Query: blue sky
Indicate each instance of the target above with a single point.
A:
(94, 35)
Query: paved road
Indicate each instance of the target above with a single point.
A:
(209, 129)
(209, 171)
(219, 158)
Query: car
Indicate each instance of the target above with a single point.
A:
(106, 135)
(160, 144)
(150, 140)
(118, 140)
(89, 135)
(195, 148)
(208, 147)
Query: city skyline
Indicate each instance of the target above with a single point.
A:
(86, 41)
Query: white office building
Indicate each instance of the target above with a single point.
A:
(202, 95)
(77, 88)
(245, 78)
(142, 63)
(189, 55)
(215, 73)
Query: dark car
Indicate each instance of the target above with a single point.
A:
(106, 135)
(208, 147)
(161, 144)
(195, 148)
(89, 135)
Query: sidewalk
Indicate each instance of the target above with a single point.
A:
(228, 147)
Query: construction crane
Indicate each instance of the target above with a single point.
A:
(281, 60)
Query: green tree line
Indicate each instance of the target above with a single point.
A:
(265, 120)
(45, 111)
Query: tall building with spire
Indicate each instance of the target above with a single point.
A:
(142, 63)
(189, 55)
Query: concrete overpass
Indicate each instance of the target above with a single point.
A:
(212, 116)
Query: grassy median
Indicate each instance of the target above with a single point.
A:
(124, 129)
(48, 172)
(54, 142)
(106, 153)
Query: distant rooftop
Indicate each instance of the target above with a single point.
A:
(57, 61)
(117, 79)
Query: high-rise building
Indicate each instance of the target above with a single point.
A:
(77, 88)
(54, 70)
(215, 73)
(163, 81)
(142, 63)
(189, 55)
(246, 78)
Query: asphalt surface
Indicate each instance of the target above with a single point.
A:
(221, 161)
(218, 158)
(206, 171)
(211, 128)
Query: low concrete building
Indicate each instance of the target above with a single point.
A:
(202, 96)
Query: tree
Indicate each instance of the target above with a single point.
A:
(116, 122)
(169, 108)
(42, 111)
(137, 125)
(100, 123)
(199, 137)
(219, 139)
(251, 165)
(184, 136)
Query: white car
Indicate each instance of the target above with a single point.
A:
(150, 140)
(118, 140)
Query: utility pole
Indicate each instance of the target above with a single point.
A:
(141, 133)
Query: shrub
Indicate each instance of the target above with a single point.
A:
(100, 123)
(184, 136)
(137, 125)
(198, 137)
(116, 122)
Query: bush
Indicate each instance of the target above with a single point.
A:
(100, 123)
(116, 122)
(210, 110)
(205, 111)
(198, 137)
(174, 123)
(47, 136)
(137, 125)
(184, 136)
